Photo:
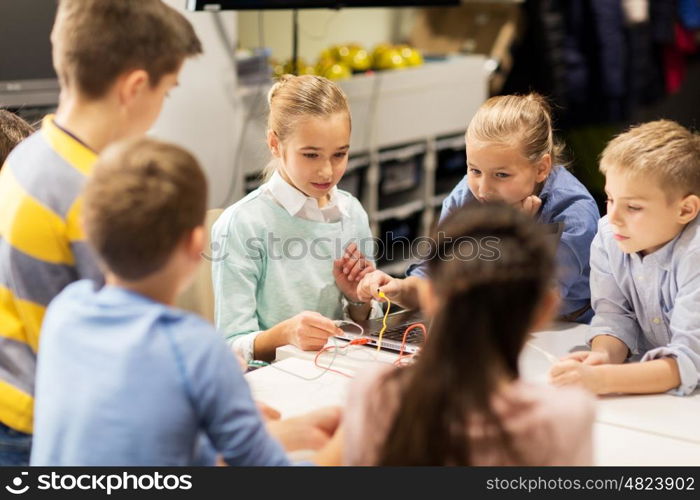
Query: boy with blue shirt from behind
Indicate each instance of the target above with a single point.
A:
(645, 268)
(124, 378)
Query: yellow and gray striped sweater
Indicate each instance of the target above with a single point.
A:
(42, 250)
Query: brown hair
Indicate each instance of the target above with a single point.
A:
(661, 148)
(294, 97)
(94, 41)
(523, 121)
(142, 199)
(445, 397)
(12, 131)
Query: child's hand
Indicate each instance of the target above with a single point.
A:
(589, 357)
(310, 431)
(572, 372)
(309, 330)
(530, 205)
(332, 453)
(349, 270)
(268, 412)
(368, 287)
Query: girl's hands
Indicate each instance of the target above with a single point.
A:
(371, 283)
(310, 330)
(530, 205)
(349, 270)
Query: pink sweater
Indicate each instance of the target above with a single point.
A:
(548, 425)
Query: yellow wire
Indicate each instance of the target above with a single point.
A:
(388, 307)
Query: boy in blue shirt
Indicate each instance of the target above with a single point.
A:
(123, 378)
(645, 268)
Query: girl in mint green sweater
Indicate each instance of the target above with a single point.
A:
(293, 250)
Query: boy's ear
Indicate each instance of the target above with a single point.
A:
(131, 85)
(547, 309)
(688, 208)
(273, 143)
(544, 167)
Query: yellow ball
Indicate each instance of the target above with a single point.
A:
(335, 51)
(323, 64)
(326, 54)
(381, 48)
(390, 59)
(342, 52)
(415, 59)
(301, 64)
(412, 56)
(403, 49)
(362, 61)
(347, 55)
(358, 59)
(337, 71)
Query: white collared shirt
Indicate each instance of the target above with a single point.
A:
(299, 205)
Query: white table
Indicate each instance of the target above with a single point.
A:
(630, 430)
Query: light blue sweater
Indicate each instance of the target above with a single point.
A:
(270, 266)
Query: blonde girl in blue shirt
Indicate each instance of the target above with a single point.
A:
(513, 157)
(291, 252)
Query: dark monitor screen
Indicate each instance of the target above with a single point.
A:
(27, 77)
(308, 4)
(25, 27)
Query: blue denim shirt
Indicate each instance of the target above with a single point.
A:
(652, 304)
(566, 200)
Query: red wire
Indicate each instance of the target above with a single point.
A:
(364, 340)
(401, 357)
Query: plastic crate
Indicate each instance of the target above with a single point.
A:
(451, 163)
(400, 175)
(397, 237)
(354, 180)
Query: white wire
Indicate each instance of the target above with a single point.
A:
(316, 377)
(551, 358)
(340, 322)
